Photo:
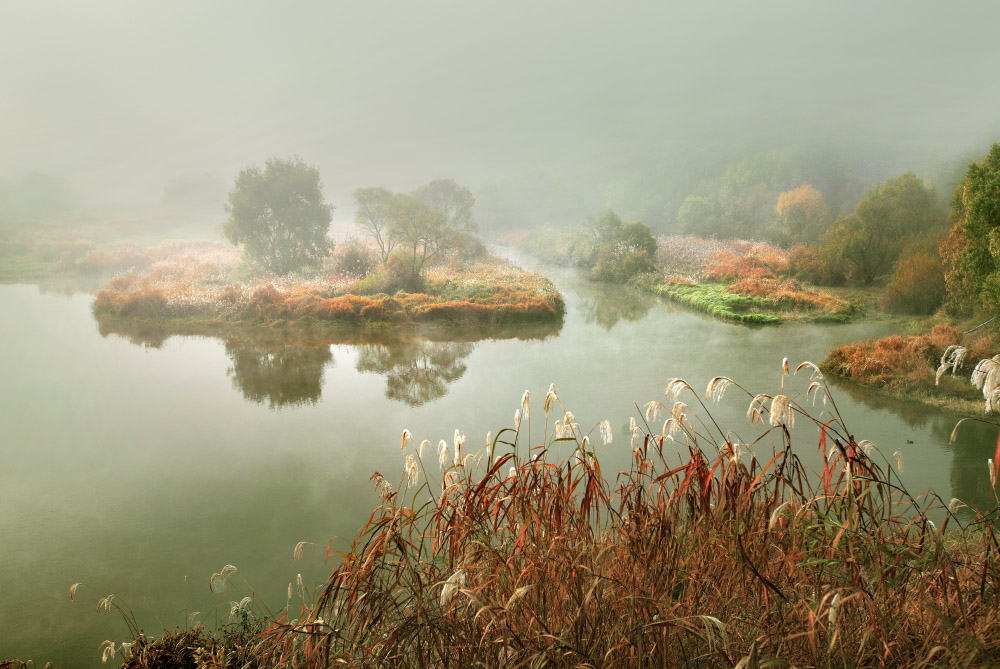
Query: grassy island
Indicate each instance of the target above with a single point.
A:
(208, 286)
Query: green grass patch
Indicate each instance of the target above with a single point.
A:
(716, 301)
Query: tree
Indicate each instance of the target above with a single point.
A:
(699, 216)
(803, 215)
(871, 238)
(420, 232)
(372, 216)
(278, 214)
(971, 250)
(454, 201)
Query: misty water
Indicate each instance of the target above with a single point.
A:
(140, 466)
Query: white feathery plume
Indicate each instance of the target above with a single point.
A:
(756, 406)
(550, 397)
(781, 412)
(454, 583)
(405, 438)
(517, 419)
(784, 366)
(717, 388)
(422, 445)
(442, 452)
(899, 461)
(866, 446)
(411, 470)
(678, 411)
(526, 405)
(831, 617)
(674, 388)
(606, 435)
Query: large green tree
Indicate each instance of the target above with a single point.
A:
(971, 251)
(870, 240)
(278, 214)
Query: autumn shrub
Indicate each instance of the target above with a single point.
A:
(917, 285)
(897, 362)
(354, 259)
(618, 264)
(816, 265)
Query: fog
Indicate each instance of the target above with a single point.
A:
(547, 111)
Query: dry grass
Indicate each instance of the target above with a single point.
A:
(706, 553)
(897, 362)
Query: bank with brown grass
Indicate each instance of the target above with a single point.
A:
(907, 366)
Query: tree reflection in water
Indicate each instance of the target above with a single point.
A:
(607, 304)
(280, 375)
(416, 371)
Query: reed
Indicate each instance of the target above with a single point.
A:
(707, 552)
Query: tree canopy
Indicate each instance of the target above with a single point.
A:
(278, 214)
(871, 239)
(454, 201)
(420, 233)
(971, 251)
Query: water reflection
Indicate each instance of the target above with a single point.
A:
(975, 441)
(284, 367)
(416, 371)
(607, 304)
(280, 375)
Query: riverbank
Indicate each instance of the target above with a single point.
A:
(734, 280)
(739, 281)
(906, 367)
(523, 553)
(212, 289)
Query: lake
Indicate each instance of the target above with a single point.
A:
(140, 465)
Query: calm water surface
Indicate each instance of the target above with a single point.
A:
(140, 467)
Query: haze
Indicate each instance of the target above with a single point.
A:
(571, 106)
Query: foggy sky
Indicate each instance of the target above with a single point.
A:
(119, 96)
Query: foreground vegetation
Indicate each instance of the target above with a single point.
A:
(709, 551)
(209, 286)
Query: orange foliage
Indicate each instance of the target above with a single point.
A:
(788, 293)
(804, 200)
(894, 361)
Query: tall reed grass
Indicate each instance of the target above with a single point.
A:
(706, 552)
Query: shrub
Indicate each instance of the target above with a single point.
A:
(354, 259)
(917, 285)
(816, 265)
(620, 263)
